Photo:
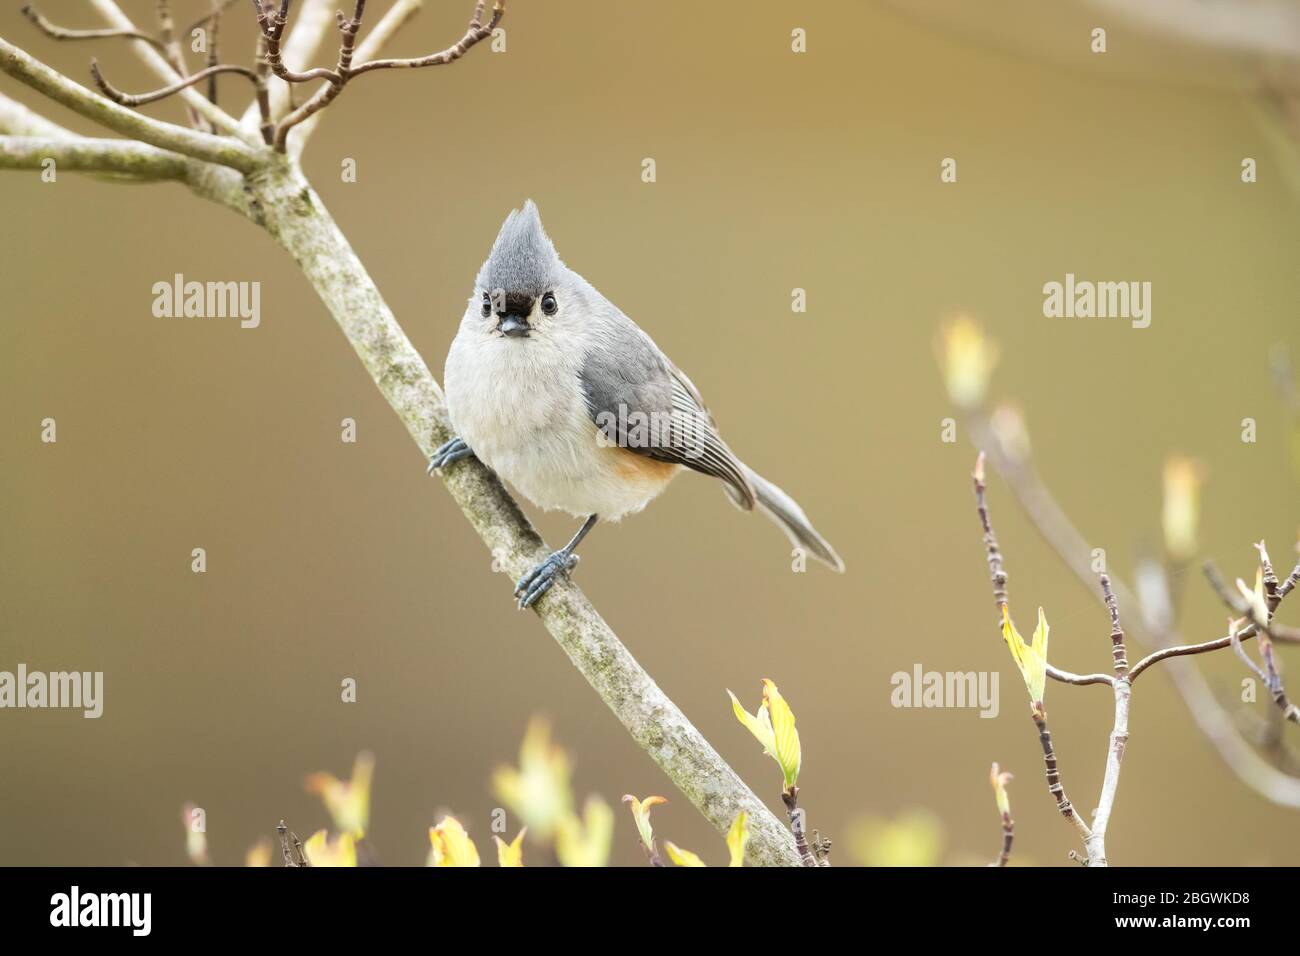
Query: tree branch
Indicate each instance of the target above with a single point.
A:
(1096, 842)
(169, 136)
(137, 161)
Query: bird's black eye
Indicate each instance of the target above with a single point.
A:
(487, 305)
(549, 305)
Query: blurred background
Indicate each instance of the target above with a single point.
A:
(775, 171)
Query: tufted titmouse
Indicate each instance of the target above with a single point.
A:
(562, 395)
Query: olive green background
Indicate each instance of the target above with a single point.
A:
(775, 171)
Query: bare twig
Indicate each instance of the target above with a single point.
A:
(291, 847)
(1269, 673)
(175, 55)
(1000, 779)
(477, 31)
(55, 32)
(128, 99)
(1054, 785)
(272, 26)
(214, 36)
(790, 798)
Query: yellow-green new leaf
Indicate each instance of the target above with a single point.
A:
(452, 845)
(737, 837)
(682, 857)
(1031, 658)
(773, 727)
(788, 752)
(512, 853)
(586, 841)
(1254, 597)
(348, 801)
(322, 851)
(641, 814)
(1000, 779)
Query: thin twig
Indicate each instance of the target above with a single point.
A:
(175, 55)
(791, 800)
(272, 27)
(1119, 652)
(1053, 771)
(1269, 673)
(477, 31)
(214, 32)
(291, 847)
(55, 32)
(128, 99)
(1000, 779)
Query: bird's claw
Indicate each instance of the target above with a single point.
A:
(539, 580)
(449, 452)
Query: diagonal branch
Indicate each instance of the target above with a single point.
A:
(215, 149)
(292, 212)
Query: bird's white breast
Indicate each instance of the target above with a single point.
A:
(518, 403)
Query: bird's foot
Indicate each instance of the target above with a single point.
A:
(450, 452)
(539, 580)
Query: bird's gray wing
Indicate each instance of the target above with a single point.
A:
(645, 403)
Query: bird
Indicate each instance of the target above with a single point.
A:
(552, 387)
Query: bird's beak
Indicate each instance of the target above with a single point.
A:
(515, 326)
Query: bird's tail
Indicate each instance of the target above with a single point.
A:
(789, 517)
